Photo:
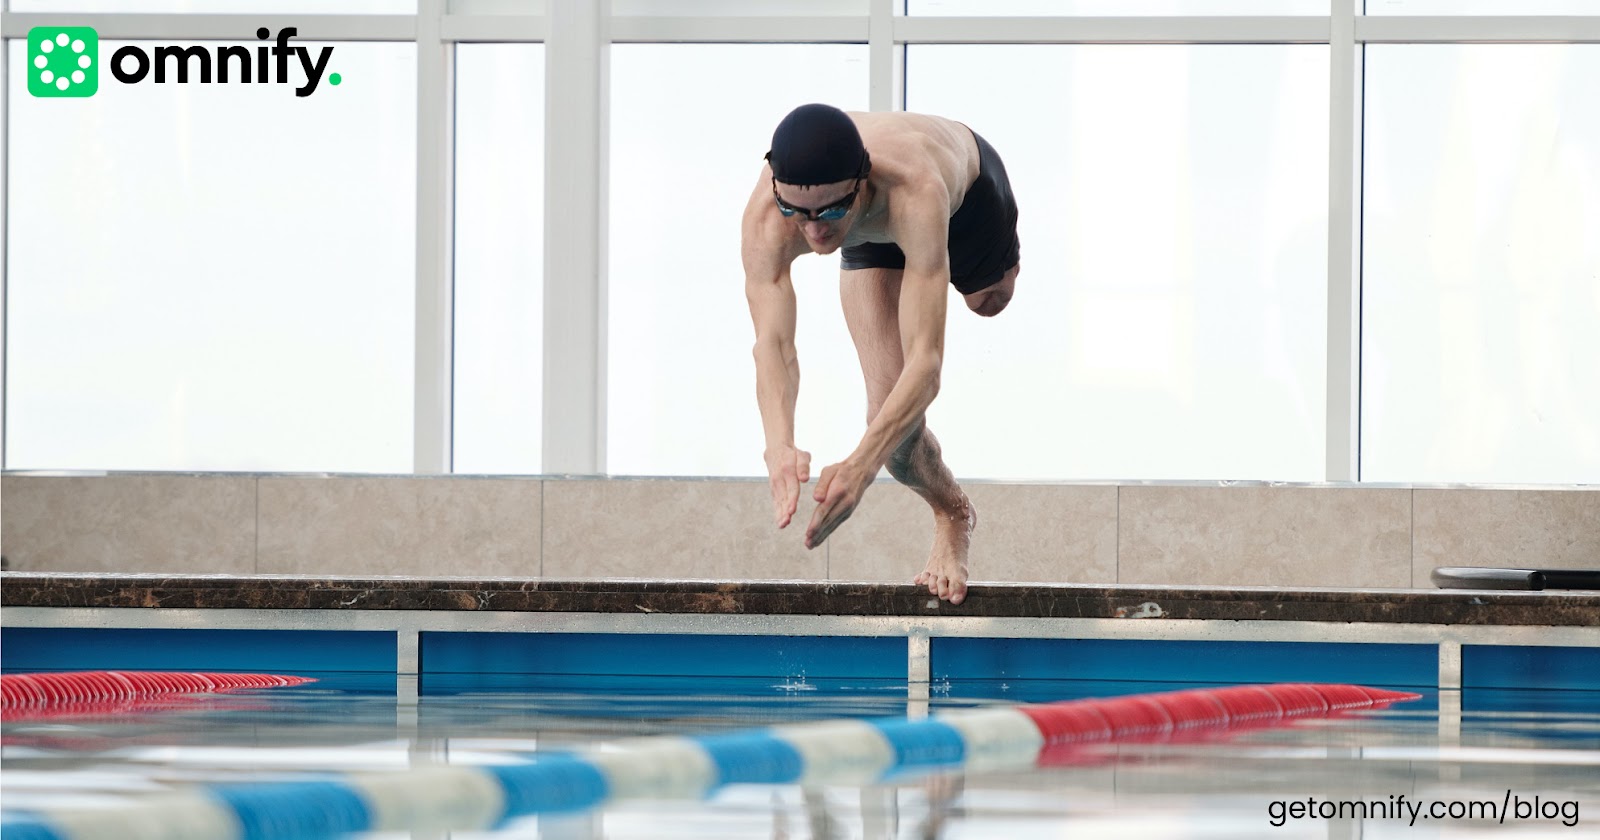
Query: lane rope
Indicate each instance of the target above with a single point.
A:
(40, 695)
(845, 752)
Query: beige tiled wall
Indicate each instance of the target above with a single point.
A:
(1265, 536)
(673, 529)
(129, 523)
(1540, 529)
(688, 528)
(1062, 534)
(399, 526)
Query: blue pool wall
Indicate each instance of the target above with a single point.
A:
(455, 661)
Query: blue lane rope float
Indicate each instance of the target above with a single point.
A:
(856, 752)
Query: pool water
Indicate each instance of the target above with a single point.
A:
(1534, 754)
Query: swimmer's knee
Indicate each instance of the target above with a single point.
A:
(902, 463)
(989, 305)
(899, 466)
(993, 300)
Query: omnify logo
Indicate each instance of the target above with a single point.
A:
(65, 61)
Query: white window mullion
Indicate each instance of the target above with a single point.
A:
(1111, 30)
(509, 23)
(1344, 247)
(577, 101)
(1446, 29)
(432, 399)
(223, 27)
(495, 29)
(646, 29)
(885, 59)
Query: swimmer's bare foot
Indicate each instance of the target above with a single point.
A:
(946, 575)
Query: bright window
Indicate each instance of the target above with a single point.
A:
(1481, 276)
(214, 277)
(1169, 321)
(681, 379)
(499, 253)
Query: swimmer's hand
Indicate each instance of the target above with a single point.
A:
(838, 492)
(787, 469)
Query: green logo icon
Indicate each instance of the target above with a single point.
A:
(63, 61)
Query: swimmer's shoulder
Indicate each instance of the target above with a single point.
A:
(921, 152)
(904, 134)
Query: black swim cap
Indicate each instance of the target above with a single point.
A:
(817, 144)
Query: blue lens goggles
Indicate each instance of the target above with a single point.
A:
(832, 213)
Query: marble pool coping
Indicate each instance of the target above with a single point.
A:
(797, 597)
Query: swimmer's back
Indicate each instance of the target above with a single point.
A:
(906, 146)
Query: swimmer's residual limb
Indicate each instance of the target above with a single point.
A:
(1464, 577)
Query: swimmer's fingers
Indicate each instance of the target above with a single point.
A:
(821, 491)
(785, 496)
(815, 533)
(791, 498)
(787, 469)
(829, 516)
(838, 492)
(797, 474)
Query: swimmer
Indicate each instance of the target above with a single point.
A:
(916, 202)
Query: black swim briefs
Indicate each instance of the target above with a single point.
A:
(983, 232)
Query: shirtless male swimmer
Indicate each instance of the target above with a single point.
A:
(916, 202)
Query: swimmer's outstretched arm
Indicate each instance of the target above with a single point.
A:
(770, 294)
(923, 295)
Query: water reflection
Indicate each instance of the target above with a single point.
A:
(1500, 744)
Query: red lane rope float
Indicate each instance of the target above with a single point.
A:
(27, 695)
(1194, 713)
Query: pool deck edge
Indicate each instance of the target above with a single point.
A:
(819, 598)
